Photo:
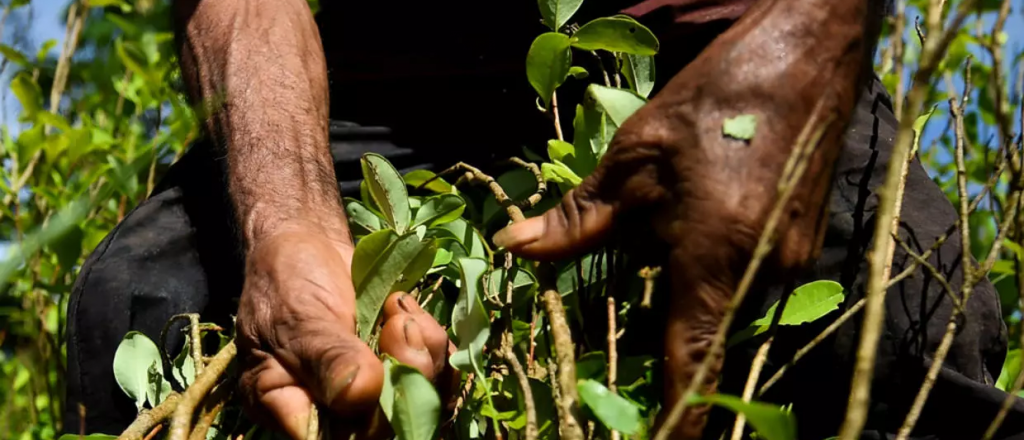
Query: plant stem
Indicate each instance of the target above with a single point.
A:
(613, 355)
(195, 393)
(150, 419)
(748, 389)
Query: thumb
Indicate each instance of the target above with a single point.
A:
(626, 178)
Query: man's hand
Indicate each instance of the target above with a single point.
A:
(712, 193)
(297, 340)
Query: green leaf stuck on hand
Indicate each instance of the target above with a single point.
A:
(741, 127)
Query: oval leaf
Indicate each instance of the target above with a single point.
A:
(639, 73)
(547, 63)
(439, 210)
(363, 220)
(398, 268)
(770, 421)
(556, 13)
(436, 184)
(387, 188)
(469, 319)
(610, 408)
(616, 34)
(416, 407)
(618, 104)
(132, 361)
(368, 250)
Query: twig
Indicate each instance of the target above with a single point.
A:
(214, 405)
(557, 119)
(933, 50)
(196, 343)
(313, 424)
(795, 166)
(149, 419)
(524, 383)
(649, 274)
(156, 430)
(564, 354)
(613, 354)
(748, 389)
(182, 420)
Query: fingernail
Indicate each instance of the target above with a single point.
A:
(341, 382)
(413, 337)
(404, 303)
(521, 233)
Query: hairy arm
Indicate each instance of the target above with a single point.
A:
(256, 67)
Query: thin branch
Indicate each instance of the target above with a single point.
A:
(182, 420)
(564, 354)
(150, 419)
(613, 354)
(196, 343)
(555, 117)
(650, 275)
(748, 389)
(510, 358)
(211, 408)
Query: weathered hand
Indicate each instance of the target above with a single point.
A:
(297, 339)
(712, 193)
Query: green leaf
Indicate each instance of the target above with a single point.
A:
(359, 215)
(592, 133)
(439, 210)
(611, 409)
(1010, 371)
(770, 421)
(524, 285)
(639, 73)
(387, 188)
(468, 236)
(557, 150)
(44, 50)
(616, 34)
(419, 177)
(559, 173)
(618, 104)
(415, 406)
(808, 303)
(741, 127)
(556, 13)
(29, 94)
(547, 64)
(13, 55)
(134, 358)
(578, 72)
(592, 366)
(184, 368)
(399, 267)
(469, 318)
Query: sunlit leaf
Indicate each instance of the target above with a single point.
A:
(1010, 371)
(770, 421)
(387, 188)
(611, 409)
(29, 94)
(398, 267)
(619, 104)
(410, 402)
(616, 34)
(13, 55)
(547, 64)
(438, 210)
(808, 303)
(358, 215)
(134, 358)
(556, 13)
(436, 184)
(184, 367)
(639, 73)
(469, 319)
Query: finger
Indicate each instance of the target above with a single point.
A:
(338, 369)
(402, 337)
(274, 397)
(627, 178)
(434, 336)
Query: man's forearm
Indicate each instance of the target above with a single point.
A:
(256, 68)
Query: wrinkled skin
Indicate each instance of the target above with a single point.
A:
(302, 346)
(712, 193)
